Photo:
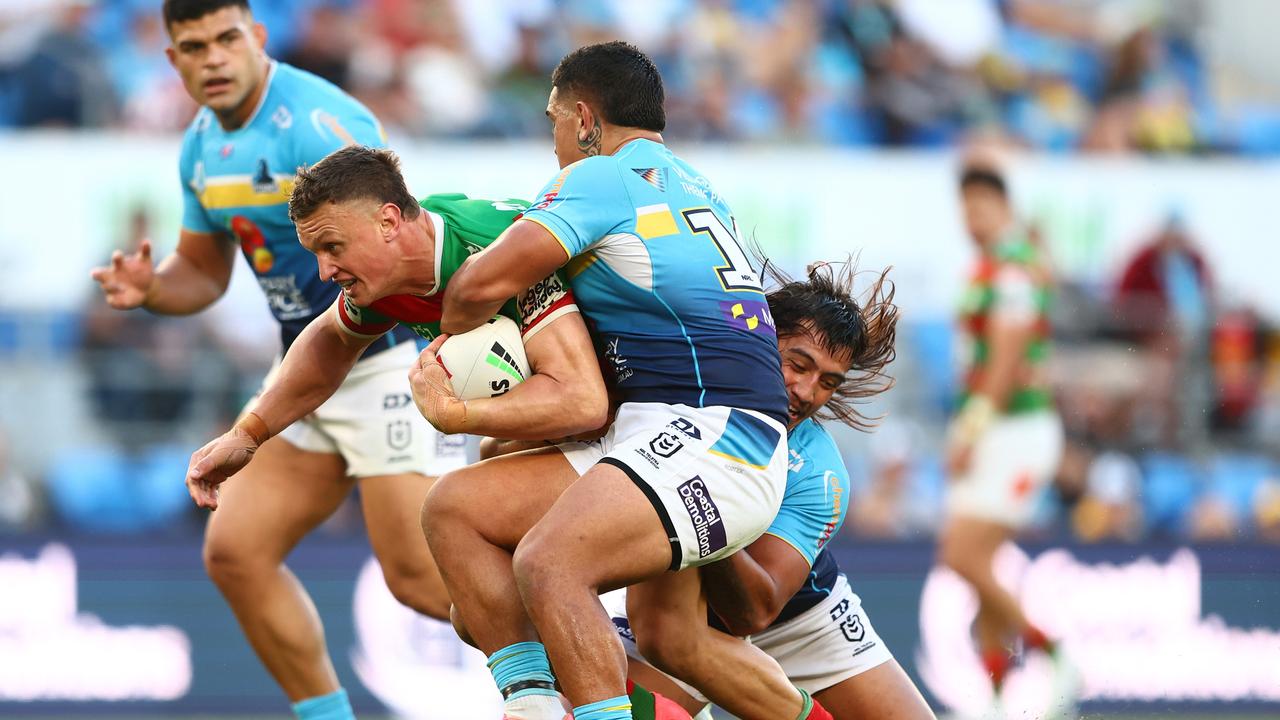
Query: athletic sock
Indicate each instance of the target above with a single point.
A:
(334, 706)
(618, 708)
(523, 674)
(812, 710)
(649, 705)
(1034, 639)
(996, 661)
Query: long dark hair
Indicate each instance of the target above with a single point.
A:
(863, 328)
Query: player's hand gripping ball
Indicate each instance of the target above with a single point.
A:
(485, 362)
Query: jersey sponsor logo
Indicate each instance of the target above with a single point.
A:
(797, 461)
(282, 118)
(686, 427)
(226, 150)
(535, 302)
(623, 627)
(399, 434)
(327, 126)
(707, 523)
(748, 315)
(665, 444)
(552, 192)
(450, 445)
(253, 244)
(656, 177)
(835, 493)
(263, 182)
(395, 401)
(197, 178)
(286, 300)
(619, 363)
(850, 624)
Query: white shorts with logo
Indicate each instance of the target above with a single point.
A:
(372, 423)
(715, 475)
(1012, 463)
(817, 649)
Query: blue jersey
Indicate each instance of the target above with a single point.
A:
(661, 279)
(813, 510)
(237, 182)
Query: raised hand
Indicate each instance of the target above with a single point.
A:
(126, 281)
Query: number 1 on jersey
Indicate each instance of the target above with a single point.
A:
(737, 273)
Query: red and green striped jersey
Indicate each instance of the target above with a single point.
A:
(463, 227)
(1011, 281)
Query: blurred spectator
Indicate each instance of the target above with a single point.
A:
(1109, 509)
(1164, 301)
(20, 502)
(64, 82)
(1108, 76)
(151, 93)
(1266, 510)
(143, 370)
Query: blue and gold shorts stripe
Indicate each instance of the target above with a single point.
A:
(747, 439)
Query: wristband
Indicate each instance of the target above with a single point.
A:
(253, 426)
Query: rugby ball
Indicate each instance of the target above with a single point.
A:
(486, 362)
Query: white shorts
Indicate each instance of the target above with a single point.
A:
(1012, 463)
(715, 475)
(372, 423)
(817, 649)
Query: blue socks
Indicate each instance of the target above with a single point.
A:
(334, 706)
(618, 708)
(522, 669)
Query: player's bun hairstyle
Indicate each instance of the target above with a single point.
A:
(184, 10)
(824, 306)
(354, 172)
(982, 176)
(618, 80)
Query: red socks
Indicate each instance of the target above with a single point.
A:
(1034, 639)
(997, 664)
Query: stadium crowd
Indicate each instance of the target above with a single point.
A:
(1190, 455)
(1106, 77)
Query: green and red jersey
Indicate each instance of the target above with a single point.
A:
(463, 227)
(1011, 280)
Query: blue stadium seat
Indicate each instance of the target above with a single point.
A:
(1234, 478)
(1170, 486)
(101, 489)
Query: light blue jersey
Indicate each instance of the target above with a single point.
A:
(817, 496)
(237, 183)
(813, 510)
(662, 281)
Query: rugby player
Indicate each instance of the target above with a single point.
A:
(694, 465)
(1005, 443)
(785, 590)
(260, 121)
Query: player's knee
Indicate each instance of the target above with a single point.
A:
(669, 646)
(446, 502)
(228, 561)
(953, 554)
(537, 572)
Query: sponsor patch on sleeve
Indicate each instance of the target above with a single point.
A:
(541, 304)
